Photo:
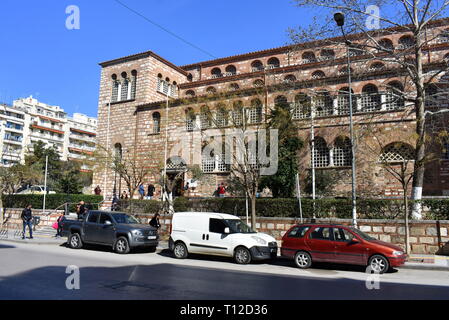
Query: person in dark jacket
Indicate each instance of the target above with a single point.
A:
(82, 210)
(59, 230)
(27, 217)
(155, 221)
(150, 193)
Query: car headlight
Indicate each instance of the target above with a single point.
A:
(259, 240)
(398, 253)
(138, 233)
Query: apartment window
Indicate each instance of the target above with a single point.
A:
(308, 57)
(216, 73)
(318, 75)
(406, 42)
(321, 154)
(327, 54)
(237, 113)
(211, 90)
(231, 70)
(124, 92)
(190, 93)
(386, 45)
(376, 66)
(281, 102)
(258, 83)
(205, 118)
(273, 63)
(133, 84)
(302, 107)
(234, 87)
(370, 100)
(222, 117)
(289, 78)
(342, 152)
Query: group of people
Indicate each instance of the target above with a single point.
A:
(27, 221)
(150, 192)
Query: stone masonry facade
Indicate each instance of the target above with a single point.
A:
(139, 124)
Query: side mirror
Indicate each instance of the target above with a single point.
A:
(108, 223)
(355, 241)
(227, 231)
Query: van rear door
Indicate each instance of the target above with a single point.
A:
(192, 230)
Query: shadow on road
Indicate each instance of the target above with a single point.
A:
(175, 282)
(6, 246)
(280, 261)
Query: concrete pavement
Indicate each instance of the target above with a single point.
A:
(29, 271)
(415, 261)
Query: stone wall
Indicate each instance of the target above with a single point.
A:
(14, 220)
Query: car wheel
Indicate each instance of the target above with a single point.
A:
(303, 260)
(180, 250)
(242, 255)
(379, 264)
(75, 241)
(122, 245)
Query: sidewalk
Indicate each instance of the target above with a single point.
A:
(415, 261)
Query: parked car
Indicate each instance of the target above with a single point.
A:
(219, 234)
(119, 230)
(308, 243)
(36, 190)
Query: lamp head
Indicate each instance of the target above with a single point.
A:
(339, 18)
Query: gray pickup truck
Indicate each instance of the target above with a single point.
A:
(119, 230)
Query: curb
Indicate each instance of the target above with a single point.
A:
(424, 266)
(35, 241)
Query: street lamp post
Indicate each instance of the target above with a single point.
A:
(340, 20)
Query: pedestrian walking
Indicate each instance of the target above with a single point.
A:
(27, 217)
(115, 202)
(58, 226)
(141, 191)
(155, 221)
(97, 190)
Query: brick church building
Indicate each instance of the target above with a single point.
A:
(135, 91)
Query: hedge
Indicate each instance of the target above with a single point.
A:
(52, 201)
(436, 209)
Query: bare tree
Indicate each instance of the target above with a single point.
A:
(415, 23)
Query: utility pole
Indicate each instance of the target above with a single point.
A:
(45, 183)
(312, 140)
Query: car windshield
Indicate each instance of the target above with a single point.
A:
(124, 218)
(238, 226)
(362, 235)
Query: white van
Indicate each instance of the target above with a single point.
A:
(219, 234)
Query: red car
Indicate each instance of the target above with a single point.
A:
(307, 243)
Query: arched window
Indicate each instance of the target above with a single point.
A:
(190, 93)
(205, 118)
(256, 66)
(342, 152)
(190, 120)
(115, 88)
(118, 152)
(385, 45)
(343, 101)
(395, 96)
(308, 57)
(124, 95)
(323, 104)
(376, 66)
(237, 113)
(397, 152)
(327, 54)
(156, 123)
(221, 116)
(318, 74)
(281, 101)
(190, 77)
(431, 96)
(211, 90)
(160, 83)
(258, 83)
(302, 107)
(370, 100)
(216, 73)
(344, 71)
(133, 84)
(321, 154)
(443, 37)
(289, 78)
(255, 112)
(273, 63)
(354, 52)
(231, 70)
(406, 42)
(234, 87)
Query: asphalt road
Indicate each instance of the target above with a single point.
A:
(30, 271)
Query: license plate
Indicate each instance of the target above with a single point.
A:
(152, 237)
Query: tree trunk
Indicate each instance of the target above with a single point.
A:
(2, 211)
(253, 211)
(407, 233)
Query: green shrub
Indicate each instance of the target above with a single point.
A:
(52, 201)
(438, 209)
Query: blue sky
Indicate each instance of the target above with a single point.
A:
(40, 57)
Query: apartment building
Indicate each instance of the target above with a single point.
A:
(28, 121)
